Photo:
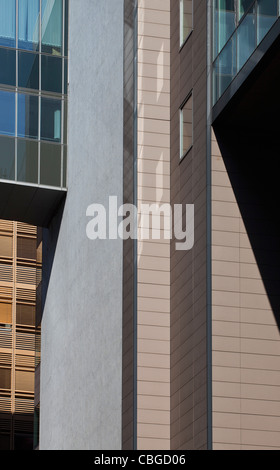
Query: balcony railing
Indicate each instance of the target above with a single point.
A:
(251, 30)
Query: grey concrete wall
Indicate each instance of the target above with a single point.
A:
(82, 318)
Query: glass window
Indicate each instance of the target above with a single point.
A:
(227, 65)
(50, 164)
(66, 28)
(246, 38)
(7, 113)
(226, 21)
(52, 26)
(267, 15)
(186, 127)
(8, 23)
(50, 119)
(65, 76)
(27, 116)
(8, 67)
(28, 24)
(186, 19)
(28, 70)
(51, 73)
(27, 161)
(244, 6)
(7, 158)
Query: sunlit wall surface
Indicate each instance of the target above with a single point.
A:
(33, 91)
(239, 27)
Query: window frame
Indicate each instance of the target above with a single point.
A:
(183, 153)
(183, 40)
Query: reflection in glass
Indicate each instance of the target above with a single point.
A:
(8, 23)
(28, 70)
(27, 116)
(227, 65)
(28, 24)
(50, 119)
(50, 164)
(185, 19)
(7, 158)
(244, 6)
(267, 15)
(246, 38)
(7, 113)
(226, 19)
(66, 28)
(52, 26)
(27, 161)
(51, 73)
(8, 66)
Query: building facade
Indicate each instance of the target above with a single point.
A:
(164, 339)
(20, 272)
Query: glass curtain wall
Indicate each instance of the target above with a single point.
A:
(33, 91)
(239, 26)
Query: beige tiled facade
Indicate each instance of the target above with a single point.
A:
(153, 273)
(245, 341)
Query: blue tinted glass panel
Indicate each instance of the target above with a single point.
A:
(267, 15)
(28, 24)
(246, 38)
(7, 113)
(50, 164)
(52, 26)
(28, 70)
(65, 76)
(50, 119)
(227, 65)
(8, 23)
(27, 116)
(244, 6)
(66, 29)
(51, 73)
(7, 158)
(8, 66)
(226, 21)
(27, 161)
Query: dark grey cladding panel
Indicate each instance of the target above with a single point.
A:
(30, 204)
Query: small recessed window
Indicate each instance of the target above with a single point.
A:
(186, 19)
(186, 126)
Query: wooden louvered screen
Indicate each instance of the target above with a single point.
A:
(20, 276)
(5, 313)
(25, 314)
(26, 275)
(24, 381)
(6, 338)
(26, 248)
(5, 405)
(6, 244)
(6, 273)
(5, 378)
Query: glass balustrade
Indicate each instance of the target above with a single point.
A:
(239, 27)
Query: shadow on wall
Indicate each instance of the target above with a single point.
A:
(251, 163)
(50, 238)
